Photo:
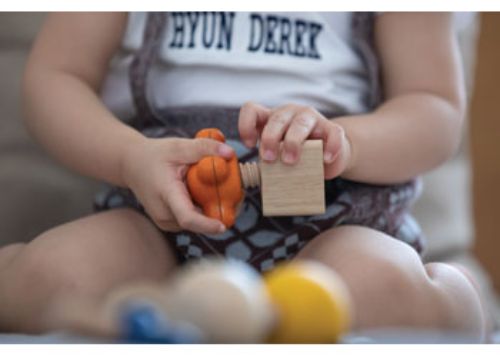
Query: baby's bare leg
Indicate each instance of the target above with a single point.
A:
(85, 258)
(9, 252)
(390, 286)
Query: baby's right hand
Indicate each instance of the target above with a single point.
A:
(154, 170)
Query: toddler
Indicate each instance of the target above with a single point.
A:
(119, 97)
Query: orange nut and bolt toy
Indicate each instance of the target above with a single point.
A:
(215, 183)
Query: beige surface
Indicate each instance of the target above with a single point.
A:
(445, 208)
(485, 144)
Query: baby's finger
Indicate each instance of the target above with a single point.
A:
(333, 135)
(337, 156)
(185, 213)
(189, 151)
(252, 117)
(301, 127)
(273, 133)
(161, 215)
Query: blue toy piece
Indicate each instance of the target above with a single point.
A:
(143, 323)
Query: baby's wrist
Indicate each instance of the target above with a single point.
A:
(130, 155)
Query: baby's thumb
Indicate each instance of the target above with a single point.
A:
(194, 150)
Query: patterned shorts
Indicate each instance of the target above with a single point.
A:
(265, 241)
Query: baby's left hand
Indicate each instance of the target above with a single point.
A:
(293, 124)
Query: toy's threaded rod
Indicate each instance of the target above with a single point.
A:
(250, 174)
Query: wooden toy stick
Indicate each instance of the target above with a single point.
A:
(250, 174)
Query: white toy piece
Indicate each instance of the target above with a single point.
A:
(226, 299)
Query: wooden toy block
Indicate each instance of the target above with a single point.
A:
(294, 190)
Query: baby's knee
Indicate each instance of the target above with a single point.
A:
(436, 296)
(44, 268)
(390, 283)
(34, 280)
(458, 298)
(392, 290)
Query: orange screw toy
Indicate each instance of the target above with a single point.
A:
(216, 184)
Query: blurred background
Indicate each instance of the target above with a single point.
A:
(458, 210)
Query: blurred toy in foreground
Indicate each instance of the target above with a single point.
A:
(225, 301)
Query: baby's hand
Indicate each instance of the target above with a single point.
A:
(155, 169)
(292, 125)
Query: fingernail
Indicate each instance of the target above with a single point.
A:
(222, 228)
(225, 150)
(331, 157)
(269, 155)
(288, 157)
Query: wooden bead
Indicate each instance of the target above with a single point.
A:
(312, 303)
(226, 299)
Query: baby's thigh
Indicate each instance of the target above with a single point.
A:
(83, 259)
(355, 248)
(382, 273)
(94, 253)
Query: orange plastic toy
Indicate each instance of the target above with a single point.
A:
(215, 183)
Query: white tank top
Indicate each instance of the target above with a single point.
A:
(227, 58)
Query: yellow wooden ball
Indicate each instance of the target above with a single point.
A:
(311, 301)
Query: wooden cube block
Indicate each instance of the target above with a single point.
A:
(294, 190)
